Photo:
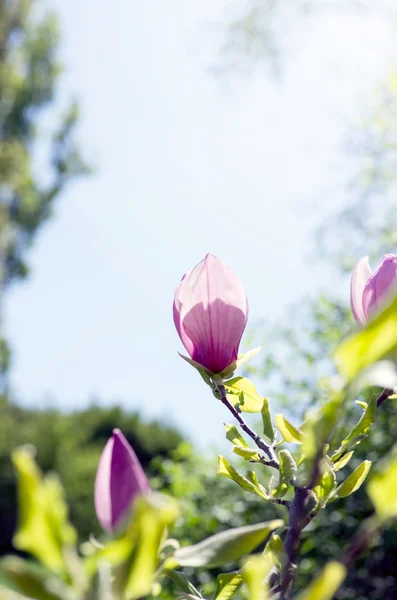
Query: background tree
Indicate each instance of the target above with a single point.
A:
(34, 166)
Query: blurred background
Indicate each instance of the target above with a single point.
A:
(134, 140)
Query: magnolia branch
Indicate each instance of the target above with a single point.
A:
(267, 448)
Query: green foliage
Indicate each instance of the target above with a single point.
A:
(242, 393)
(225, 547)
(70, 445)
(228, 585)
(382, 489)
(287, 430)
(354, 481)
(326, 583)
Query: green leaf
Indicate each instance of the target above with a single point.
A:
(256, 568)
(319, 426)
(287, 471)
(268, 428)
(326, 584)
(234, 436)
(326, 484)
(382, 489)
(225, 547)
(354, 481)
(31, 580)
(228, 585)
(247, 453)
(359, 431)
(134, 557)
(342, 462)
(370, 345)
(242, 393)
(153, 516)
(287, 430)
(43, 528)
(183, 583)
(226, 469)
(275, 551)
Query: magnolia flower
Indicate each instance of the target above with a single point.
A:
(371, 292)
(210, 313)
(119, 479)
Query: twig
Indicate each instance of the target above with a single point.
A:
(301, 513)
(267, 449)
(386, 393)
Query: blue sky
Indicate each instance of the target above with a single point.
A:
(185, 164)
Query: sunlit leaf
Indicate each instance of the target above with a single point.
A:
(241, 392)
(287, 430)
(359, 431)
(43, 529)
(275, 551)
(234, 436)
(382, 489)
(256, 568)
(342, 462)
(326, 584)
(225, 547)
(325, 485)
(354, 481)
(226, 469)
(247, 453)
(268, 428)
(153, 515)
(228, 585)
(286, 473)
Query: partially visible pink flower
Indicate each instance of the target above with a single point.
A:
(119, 480)
(371, 292)
(210, 313)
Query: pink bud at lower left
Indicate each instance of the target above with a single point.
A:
(119, 480)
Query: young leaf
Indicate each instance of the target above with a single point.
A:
(228, 585)
(354, 481)
(183, 583)
(287, 472)
(240, 386)
(234, 436)
(342, 462)
(256, 568)
(382, 490)
(225, 547)
(326, 583)
(43, 529)
(153, 516)
(226, 469)
(268, 428)
(247, 453)
(359, 431)
(325, 485)
(287, 430)
(275, 551)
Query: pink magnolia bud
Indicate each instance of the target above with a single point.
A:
(119, 479)
(371, 292)
(210, 313)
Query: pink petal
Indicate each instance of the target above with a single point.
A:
(120, 478)
(381, 286)
(361, 273)
(210, 313)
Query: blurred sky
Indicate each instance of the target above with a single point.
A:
(185, 164)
